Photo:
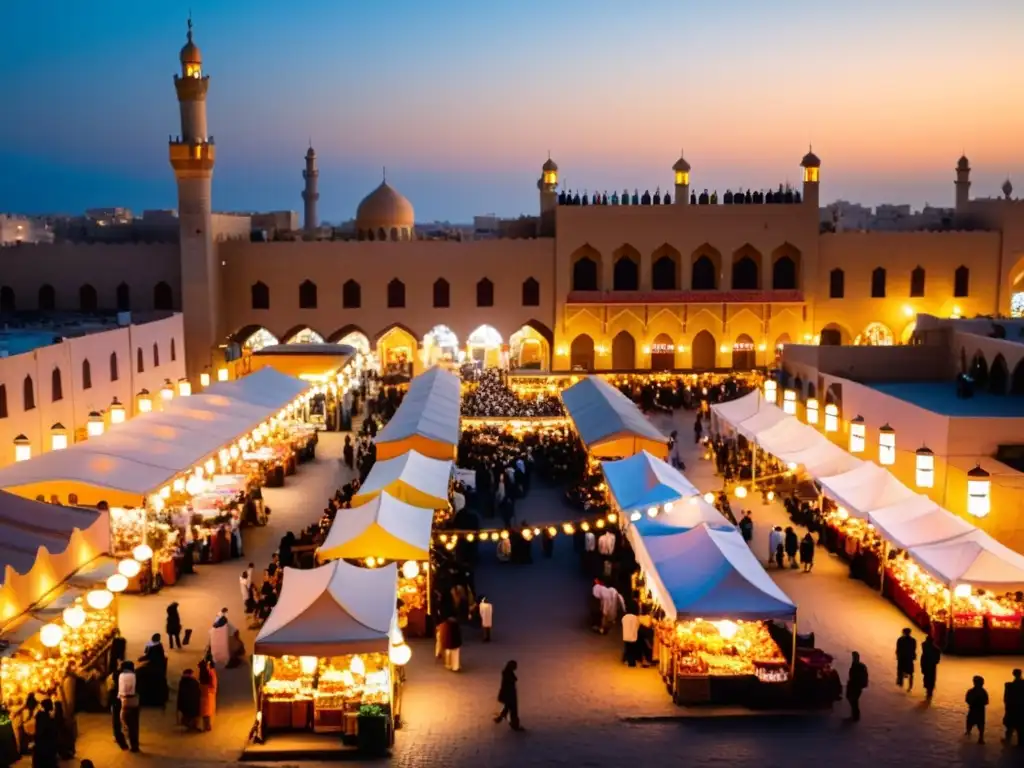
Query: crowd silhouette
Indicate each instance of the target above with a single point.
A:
(783, 195)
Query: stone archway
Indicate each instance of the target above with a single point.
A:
(663, 353)
(581, 353)
(704, 351)
(744, 354)
(623, 352)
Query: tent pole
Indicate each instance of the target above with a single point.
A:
(753, 466)
(881, 566)
(792, 660)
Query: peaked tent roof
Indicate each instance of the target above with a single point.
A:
(384, 527)
(608, 422)
(266, 387)
(742, 408)
(762, 421)
(711, 574)
(643, 480)
(332, 610)
(866, 488)
(428, 418)
(411, 477)
(974, 558)
(918, 521)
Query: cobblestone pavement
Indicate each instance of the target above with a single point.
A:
(574, 693)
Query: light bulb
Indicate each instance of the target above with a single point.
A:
(74, 616)
(142, 553)
(129, 569)
(118, 582)
(410, 569)
(99, 598)
(400, 654)
(51, 635)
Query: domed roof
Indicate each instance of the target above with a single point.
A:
(681, 165)
(549, 166)
(190, 53)
(810, 160)
(1007, 188)
(963, 164)
(385, 207)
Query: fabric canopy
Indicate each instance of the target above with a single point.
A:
(427, 421)
(412, 478)
(609, 423)
(761, 422)
(865, 488)
(384, 527)
(823, 460)
(742, 408)
(790, 436)
(917, 521)
(333, 610)
(975, 559)
(265, 387)
(711, 574)
(643, 480)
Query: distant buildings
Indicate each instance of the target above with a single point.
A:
(843, 216)
(15, 230)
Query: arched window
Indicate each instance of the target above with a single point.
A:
(878, 283)
(581, 353)
(260, 295)
(703, 276)
(28, 394)
(485, 293)
(3, 401)
(531, 293)
(307, 295)
(114, 374)
(584, 275)
(623, 351)
(7, 299)
(47, 298)
(836, 284)
(163, 297)
(442, 294)
(784, 274)
(394, 233)
(744, 274)
(86, 375)
(140, 363)
(396, 294)
(381, 234)
(124, 298)
(351, 295)
(156, 355)
(56, 386)
(962, 282)
(174, 351)
(626, 274)
(663, 274)
(87, 299)
(370, 236)
(917, 283)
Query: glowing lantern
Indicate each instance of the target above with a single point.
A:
(58, 437)
(222, 374)
(204, 382)
(635, 516)
(184, 387)
(99, 599)
(193, 486)
(144, 401)
(142, 553)
(962, 590)
(770, 390)
(210, 466)
(74, 616)
(116, 411)
(741, 492)
(94, 427)
(118, 582)
(357, 666)
(812, 410)
(652, 511)
(831, 417)
(22, 448)
(789, 402)
(400, 654)
(51, 635)
(857, 431)
(308, 664)
(410, 569)
(167, 391)
(886, 446)
(129, 569)
(709, 497)
(924, 474)
(979, 488)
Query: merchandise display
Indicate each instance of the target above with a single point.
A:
(724, 648)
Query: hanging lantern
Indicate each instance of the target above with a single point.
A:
(193, 486)
(812, 410)
(308, 664)
(857, 431)
(116, 411)
(167, 391)
(652, 511)
(99, 599)
(709, 497)
(400, 654)
(789, 402)
(204, 382)
(142, 553)
(144, 401)
(22, 448)
(770, 390)
(51, 635)
(979, 489)
(410, 569)
(58, 437)
(118, 582)
(94, 427)
(184, 387)
(886, 446)
(128, 568)
(74, 616)
(222, 374)
(831, 417)
(924, 474)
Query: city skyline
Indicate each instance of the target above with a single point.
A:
(462, 107)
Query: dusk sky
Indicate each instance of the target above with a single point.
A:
(462, 101)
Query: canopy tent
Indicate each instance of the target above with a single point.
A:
(41, 546)
(975, 559)
(710, 574)
(427, 421)
(333, 610)
(761, 422)
(265, 387)
(683, 516)
(609, 423)
(643, 481)
(384, 527)
(790, 436)
(823, 460)
(412, 478)
(742, 408)
(917, 521)
(865, 488)
(314, 361)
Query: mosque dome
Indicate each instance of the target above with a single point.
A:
(385, 214)
(963, 164)
(681, 165)
(550, 166)
(810, 160)
(190, 53)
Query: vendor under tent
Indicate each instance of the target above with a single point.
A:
(266, 387)
(412, 478)
(643, 481)
(427, 421)
(865, 488)
(974, 559)
(609, 423)
(916, 522)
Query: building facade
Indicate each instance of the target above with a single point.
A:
(648, 285)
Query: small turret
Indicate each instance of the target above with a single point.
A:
(1007, 189)
(682, 178)
(812, 176)
(962, 185)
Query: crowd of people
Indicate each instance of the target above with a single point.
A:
(489, 396)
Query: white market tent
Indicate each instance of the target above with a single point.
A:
(710, 574)
(823, 460)
(735, 411)
(266, 387)
(643, 480)
(385, 527)
(762, 421)
(865, 488)
(975, 559)
(788, 436)
(427, 421)
(334, 610)
(412, 478)
(609, 423)
(916, 522)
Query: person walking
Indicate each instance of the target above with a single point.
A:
(630, 633)
(775, 546)
(207, 693)
(906, 655)
(856, 682)
(807, 552)
(173, 627)
(189, 697)
(127, 693)
(792, 546)
(1013, 706)
(977, 701)
(453, 645)
(486, 611)
(930, 658)
(747, 528)
(44, 748)
(508, 697)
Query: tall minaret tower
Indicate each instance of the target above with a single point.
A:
(547, 184)
(309, 195)
(192, 158)
(682, 178)
(812, 177)
(963, 183)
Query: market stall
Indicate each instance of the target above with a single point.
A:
(388, 530)
(412, 478)
(643, 481)
(325, 660)
(427, 421)
(609, 423)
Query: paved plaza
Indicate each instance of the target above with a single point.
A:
(580, 705)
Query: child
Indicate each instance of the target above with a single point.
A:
(977, 700)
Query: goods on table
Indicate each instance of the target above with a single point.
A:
(725, 648)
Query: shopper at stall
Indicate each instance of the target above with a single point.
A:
(807, 552)
(44, 751)
(127, 693)
(508, 697)
(611, 604)
(207, 693)
(630, 629)
(188, 700)
(930, 658)
(173, 626)
(66, 729)
(1013, 706)
(856, 683)
(906, 655)
(776, 546)
(977, 701)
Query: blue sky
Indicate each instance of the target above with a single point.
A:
(462, 101)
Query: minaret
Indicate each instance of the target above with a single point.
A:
(682, 173)
(192, 158)
(548, 186)
(812, 175)
(963, 183)
(309, 195)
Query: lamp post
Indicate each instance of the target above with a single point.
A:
(857, 435)
(979, 490)
(924, 468)
(886, 446)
